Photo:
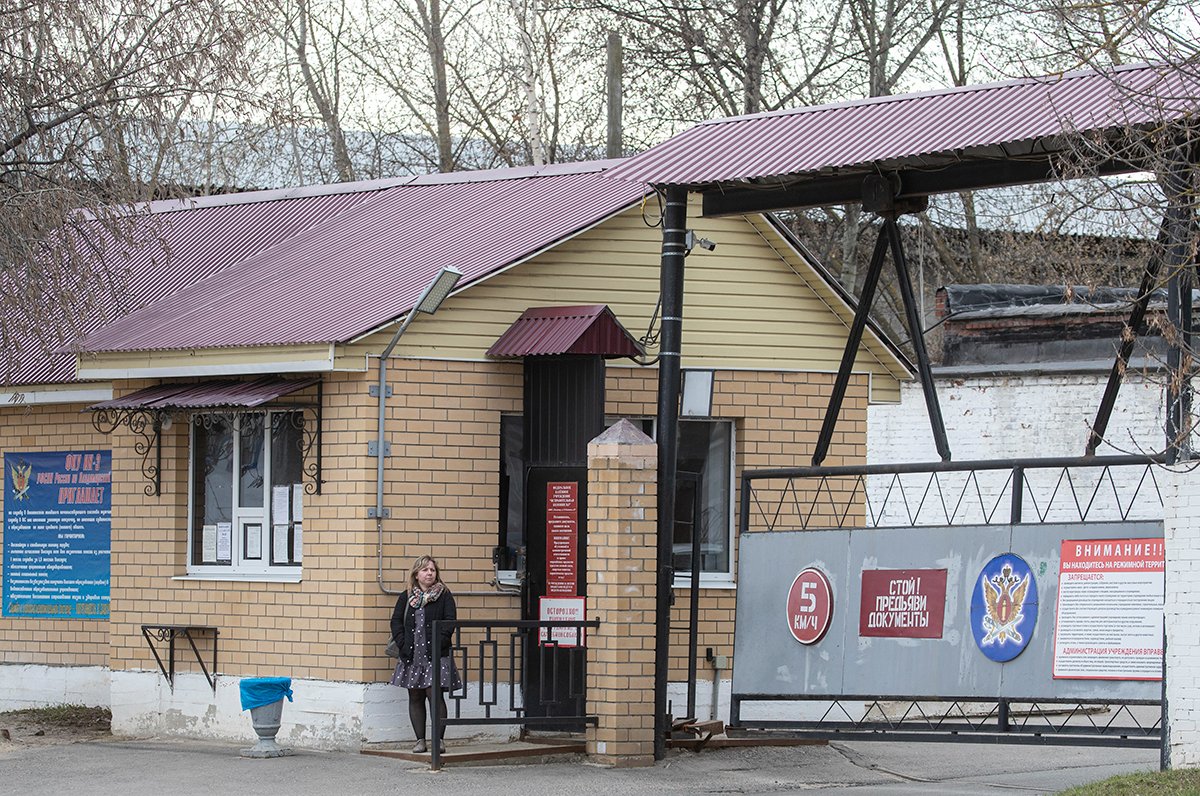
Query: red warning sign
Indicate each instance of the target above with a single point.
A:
(809, 606)
(562, 538)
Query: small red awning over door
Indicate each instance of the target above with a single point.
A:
(550, 331)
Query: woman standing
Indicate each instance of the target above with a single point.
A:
(426, 601)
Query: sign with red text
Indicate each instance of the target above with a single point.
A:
(809, 606)
(562, 538)
(902, 603)
(563, 609)
(1110, 610)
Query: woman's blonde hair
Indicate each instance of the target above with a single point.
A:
(419, 565)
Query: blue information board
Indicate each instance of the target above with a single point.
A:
(57, 532)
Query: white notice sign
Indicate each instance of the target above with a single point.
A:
(224, 541)
(1110, 610)
(279, 551)
(281, 502)
(297, 502)
(208, 544)
(563, 609)
(254, 540)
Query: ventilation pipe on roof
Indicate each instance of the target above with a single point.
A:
(432, 297)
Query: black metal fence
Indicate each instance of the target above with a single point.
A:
(494, 657)
(992, 492)
(987, 492)
(1132, 723)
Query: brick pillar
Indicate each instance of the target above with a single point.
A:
(1181, 532)
(621, 560)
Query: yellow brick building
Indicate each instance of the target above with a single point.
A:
(303, 292)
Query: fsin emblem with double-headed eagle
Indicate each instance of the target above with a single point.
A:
(20, 480)
(1005, 598)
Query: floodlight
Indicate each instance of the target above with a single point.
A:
(437, 290)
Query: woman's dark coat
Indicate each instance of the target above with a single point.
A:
(404, 625)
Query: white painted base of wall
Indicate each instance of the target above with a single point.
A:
(322, 715)
(33, 686)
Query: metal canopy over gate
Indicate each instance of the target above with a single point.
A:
(904, 553)
(889, 154)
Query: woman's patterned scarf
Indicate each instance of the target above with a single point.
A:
(420, 598)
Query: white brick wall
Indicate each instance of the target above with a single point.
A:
(1181, 529)
(1002, 417)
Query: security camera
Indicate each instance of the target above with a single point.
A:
(691, 241)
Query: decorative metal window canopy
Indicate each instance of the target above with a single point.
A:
(148, 412)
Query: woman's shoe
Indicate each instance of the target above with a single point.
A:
(441, 747)
(420, 748)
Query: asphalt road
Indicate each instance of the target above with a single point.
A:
(178, 768)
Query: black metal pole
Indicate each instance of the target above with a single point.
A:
(435, 699)
(1179, 224)
(916, 333)
(671, 280)
(1014, 516)
(852, 342)
(1174, 361)
(1136, 318)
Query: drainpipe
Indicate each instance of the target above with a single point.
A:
(433, 296)
(381, 450)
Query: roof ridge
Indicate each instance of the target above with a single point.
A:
(1053, 77)
(160, 206)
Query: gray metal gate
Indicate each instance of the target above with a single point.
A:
(877, 674)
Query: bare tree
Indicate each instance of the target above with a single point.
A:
(80, 84)
(318, 59)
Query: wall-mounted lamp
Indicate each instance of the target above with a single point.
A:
(430, 299)
(437, 290)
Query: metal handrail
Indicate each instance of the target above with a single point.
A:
(519, 625)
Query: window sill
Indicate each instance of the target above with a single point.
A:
(707, 582)
(243, 577)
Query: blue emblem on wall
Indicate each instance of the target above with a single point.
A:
(1004, 607)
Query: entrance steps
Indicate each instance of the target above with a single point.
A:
(468, 751)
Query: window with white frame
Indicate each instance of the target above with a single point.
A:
(246, 503)
(703, 489)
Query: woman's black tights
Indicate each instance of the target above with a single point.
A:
(417, 698)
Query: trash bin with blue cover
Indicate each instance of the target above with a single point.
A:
(263, 697)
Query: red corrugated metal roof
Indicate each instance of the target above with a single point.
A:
(772, 147)
(209, 394)
(185, 241)
(365, 267)
(548, 331)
